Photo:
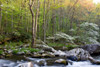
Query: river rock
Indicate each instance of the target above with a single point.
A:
(43, 55)
(92, 60)
(20, 53)
(73, 58)
(45, 48)
(48, 55)
(61, 61)
(36, 55)
(92, 48)
(27, 64)
(59, 53)
(77, 54)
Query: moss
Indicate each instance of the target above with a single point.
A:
(33, 50)
(55, 44)
(15, 51)
(71, 46)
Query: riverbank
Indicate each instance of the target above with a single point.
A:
(62, 56)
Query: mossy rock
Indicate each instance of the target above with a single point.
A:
(61, 61)
(37, 55)
(48, 55)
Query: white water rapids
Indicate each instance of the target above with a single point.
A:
(34, 61)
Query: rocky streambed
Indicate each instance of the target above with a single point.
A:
(43, 62)
(48, 56)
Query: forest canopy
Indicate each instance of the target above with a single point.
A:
(76, 21)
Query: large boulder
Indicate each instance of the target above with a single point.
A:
(77, 54)
(92, 48)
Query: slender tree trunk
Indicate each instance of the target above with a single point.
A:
(0, 16)
(38, 25)
(44, 30)
(36, 18)
(12, 22)
(54, 22)
(31, 3)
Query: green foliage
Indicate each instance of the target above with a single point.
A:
(62, 37)
(16, 34)
(64, 16)
(12, 44)
(67, 37)
(33, 50)
(91, 33)
(55, 44)
(1, 52)
(1, 38)
(25, 35)
(71, 46)
(15, 51)
(25, 50)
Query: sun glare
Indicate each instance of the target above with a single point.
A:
(96, 1)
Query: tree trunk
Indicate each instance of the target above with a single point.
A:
(44, 31)
(12, 21)
(36, 18)
(31, 3)
(0, 16)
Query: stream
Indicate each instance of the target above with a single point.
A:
(43, 62)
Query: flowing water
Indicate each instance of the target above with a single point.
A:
(40, 62)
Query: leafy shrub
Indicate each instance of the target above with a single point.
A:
(15, 51)
(32, 50)
(16, 34)
(63, 36)
(1, 38)
(25, 50)
(89, 33)
(1, 52)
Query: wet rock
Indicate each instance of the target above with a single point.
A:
(73, 58)
(61, 61)
(92, 48)
(59, 53)
(37, 55)
(42, 62)
(28, 64)
(78, 54)
(48, 55)
(2, 56)
(43, 55)
(92, 60)
(10, 51)
(20, 53)
(41, 52)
